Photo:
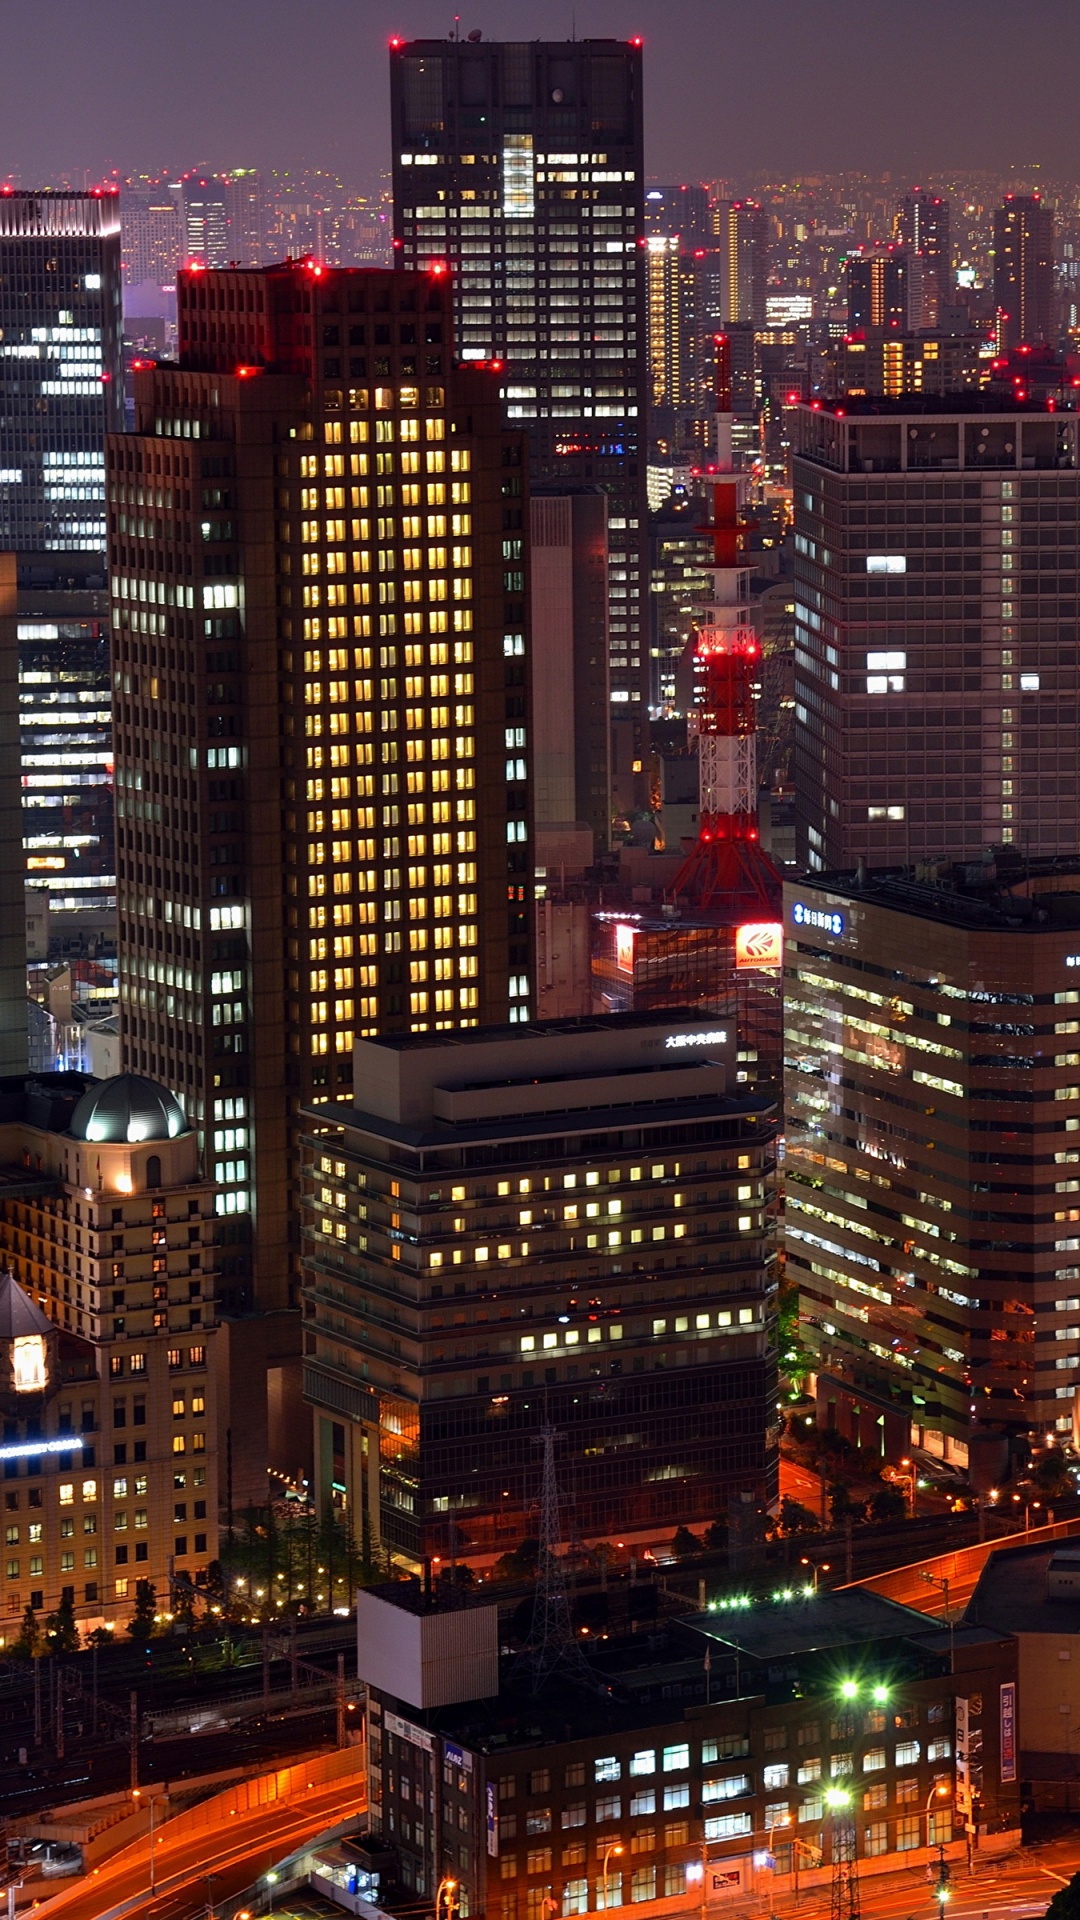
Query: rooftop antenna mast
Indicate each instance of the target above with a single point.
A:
(551, 1646)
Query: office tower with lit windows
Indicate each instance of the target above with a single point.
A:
(931, 1178)
(61, 391)
(151, 233)
(204, 210)
(1024, 271)
(922, 232)
(61, 387)
(520, 165)
(65, 727)
(565, 1222)
(936, 587)
(877, 288)
(322, 735)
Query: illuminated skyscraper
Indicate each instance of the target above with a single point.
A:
(922, 230)
(205, 204)
(322, 728)
(936, 580)
(151, 233)
(877, 288)
(741, 226)
(1024, 271)
(61, 391)
(520, 165)
(60, 371)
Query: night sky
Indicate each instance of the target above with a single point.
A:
(768, 85)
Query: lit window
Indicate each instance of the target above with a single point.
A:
(886, 563)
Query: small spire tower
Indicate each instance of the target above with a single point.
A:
(728, 860)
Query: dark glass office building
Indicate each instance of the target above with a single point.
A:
(520, 166)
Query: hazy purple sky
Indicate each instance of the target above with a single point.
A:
(789, 85)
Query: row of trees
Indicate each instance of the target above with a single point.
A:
(274, 1562)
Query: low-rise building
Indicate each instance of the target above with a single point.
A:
(1033, 1593)
(734, 1746)
(107, 1332)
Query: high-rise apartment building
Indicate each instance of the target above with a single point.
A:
(922, 231)
(322, 729)
(877, 360)
(565, 1223)
(1024, 271)
(61, 386)
(244, 208)
(682, 211)
(742, 228)
(936, 586)
(668, 370)
(520, 166)
(877, 288)
(933, 1149)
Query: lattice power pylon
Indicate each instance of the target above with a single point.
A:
(551, 1646)
(845, 1866)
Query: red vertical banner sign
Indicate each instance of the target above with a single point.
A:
(1008, 1730)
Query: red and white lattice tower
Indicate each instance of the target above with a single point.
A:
(728, 865)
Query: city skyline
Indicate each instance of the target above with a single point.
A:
(814, 104)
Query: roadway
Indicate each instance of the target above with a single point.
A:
(205, 1868)
(1019, 1887)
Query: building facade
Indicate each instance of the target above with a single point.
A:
(568, 1223)
(1024, 271)
(877, 288)
(322, 729)
(931, 1171)
(571, 736)
(680, 1788)
(520, 166)
(923, 230)
(65, 728)
(61, 386)
(937, 582)
(108, 1324)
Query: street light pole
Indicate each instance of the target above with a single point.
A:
(938, 1791)
(932, 1581)
(616, 1849)
(448, 1886)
